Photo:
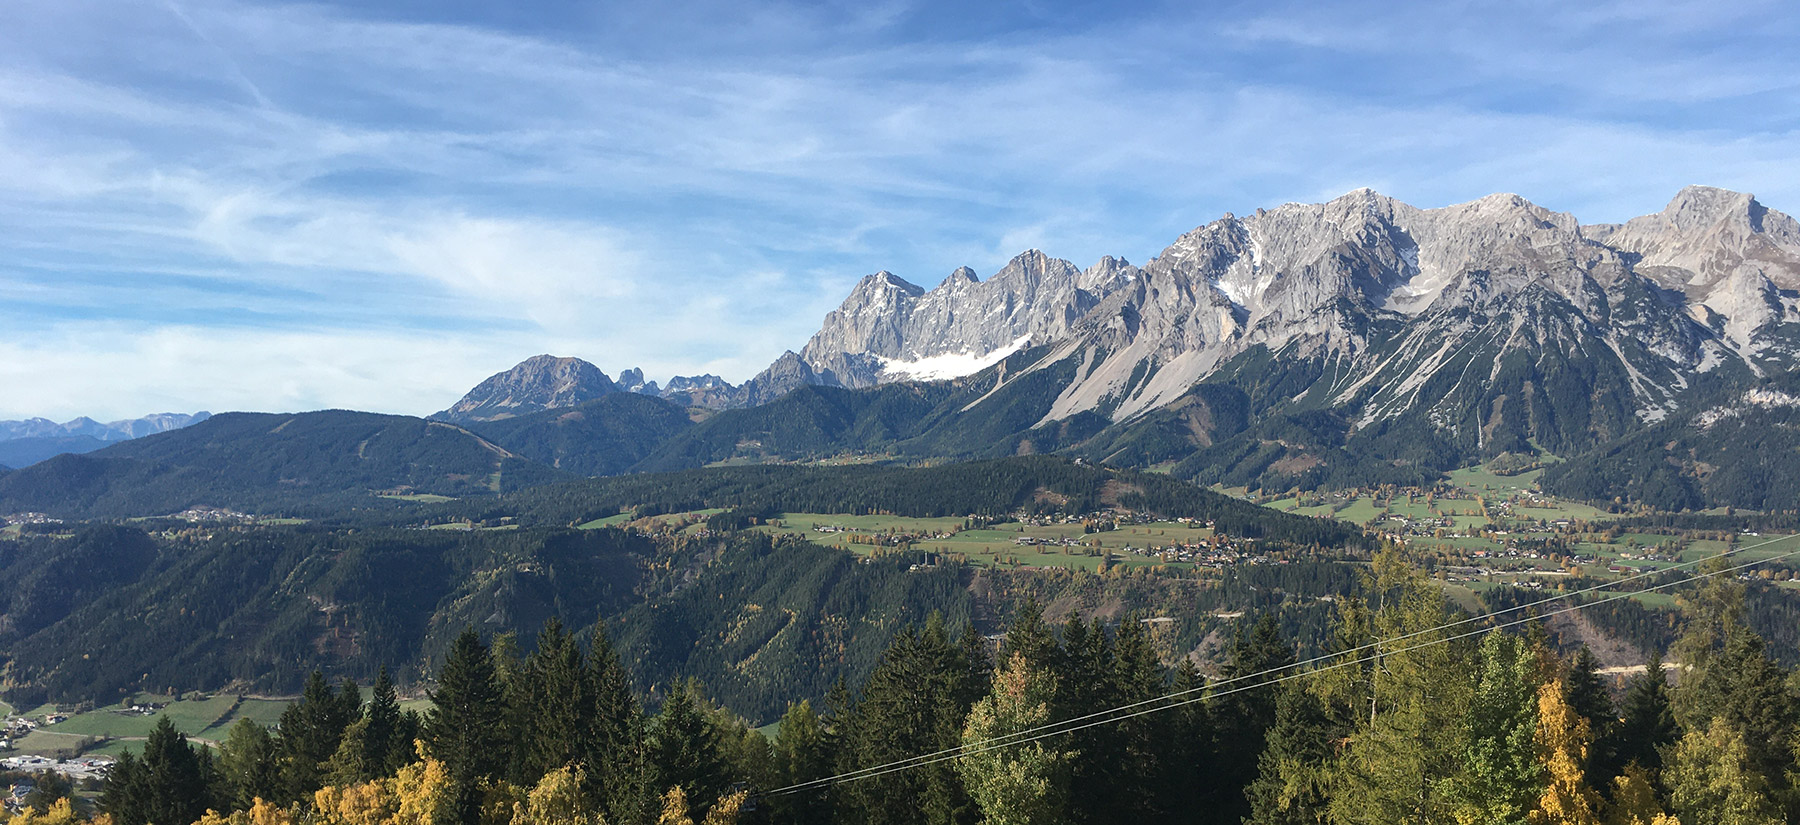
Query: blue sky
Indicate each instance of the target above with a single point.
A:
(269, 206)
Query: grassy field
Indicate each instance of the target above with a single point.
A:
(997, 545)
(206, 719)
(422, 498)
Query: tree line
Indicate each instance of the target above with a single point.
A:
(1411, 719)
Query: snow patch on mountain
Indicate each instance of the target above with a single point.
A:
(947, 365)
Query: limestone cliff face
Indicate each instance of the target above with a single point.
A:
(1433, 310)
(538, 383)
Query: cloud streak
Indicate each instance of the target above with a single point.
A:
(458, 193)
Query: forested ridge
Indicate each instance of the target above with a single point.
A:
(1416, 718)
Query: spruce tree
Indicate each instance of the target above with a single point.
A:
(1242, 717)
(802, 754)
(170, 783)
(686, 749)
(613, 749)
(1647, 725)
(386, 750)
(554, 704)
(311, 730)
(1590, 699)
(1293, 772)
(466, 726)
(250, 761)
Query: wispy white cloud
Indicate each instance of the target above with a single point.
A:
(643, 192)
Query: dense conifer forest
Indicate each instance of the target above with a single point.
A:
(1415, 714)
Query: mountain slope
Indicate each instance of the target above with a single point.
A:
(538, 383)
(600, 437)
(24, 452)
(271, 463)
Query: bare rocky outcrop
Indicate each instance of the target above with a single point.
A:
(540, 382)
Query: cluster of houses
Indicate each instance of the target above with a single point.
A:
(75, 770)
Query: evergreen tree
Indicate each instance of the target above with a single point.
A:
(1590, 699)
(465, 729)
(311, 730)
(617, 762)
(1647, 724)
(250, 761)
(1029, 636)
(909, 706)
(1187, 769)
(802, 754)
(1137, 677)
(556, 711)
(168, 784)
(1242, 718)
(1024, 784)
(686, 749)
(387, 745)
(1084, 683)
(1294, 770)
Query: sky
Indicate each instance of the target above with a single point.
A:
(221, 205)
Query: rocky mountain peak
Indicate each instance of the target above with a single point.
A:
(540, 382)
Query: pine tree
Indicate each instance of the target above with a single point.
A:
(250, 761)
(1024, 784)
(465, 728)
(1647, 723)
(1293, 772)
(686, 749)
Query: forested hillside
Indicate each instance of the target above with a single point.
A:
(1417, 716)
(304, 463)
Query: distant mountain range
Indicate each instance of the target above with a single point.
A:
(1356, 342)
(23, 443)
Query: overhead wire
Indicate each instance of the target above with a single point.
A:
(1162, 702)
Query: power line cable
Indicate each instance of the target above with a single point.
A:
(1162, 702)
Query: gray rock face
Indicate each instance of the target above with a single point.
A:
(892, 330)
(541, 382)
(1391, 293)
(1396, 298)
(1736, 261)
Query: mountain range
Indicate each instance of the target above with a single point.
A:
(1357, 341)
(23, 443)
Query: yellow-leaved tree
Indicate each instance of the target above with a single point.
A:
(261, 812)
(1562, 738)
(61, 812)
(556, 800)
(1634, 801)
